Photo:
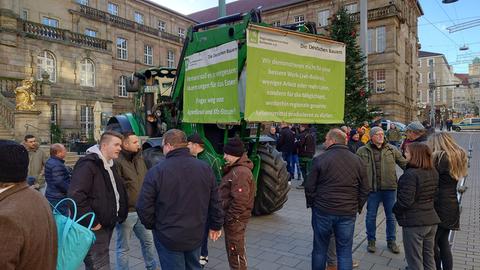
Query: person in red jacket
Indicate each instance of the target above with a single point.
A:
(236, 194)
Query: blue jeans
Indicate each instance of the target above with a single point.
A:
(323, 226)
(177, 260)
(124, 231)
(387, 198)
(288, 157)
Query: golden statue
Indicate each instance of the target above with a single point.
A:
(24, 97)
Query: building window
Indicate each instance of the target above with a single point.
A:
(181, 32)
(419, 63)
(50, 22)
(138, 17)
(170, 59)
(122, 51)
(431, 77)
(86, 121)
(24, 15)
(113, 9)
(299, 19)
(430, 62)
(162, 26)
(87, 73)
(83, 2)
(323, 16)
(380, 81)
(420, 79)
(148, 55)
(53, 114)
(371, 80)
(46, 63)
(371, 38)
(122, 86)
(381, 40)
(276, 23)
(90, 32)
(351, 8)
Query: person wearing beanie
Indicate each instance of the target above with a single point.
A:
(380, 158)
(197, 149)
(415, 132)
(237, 193)
(354, 142)
(27, 229)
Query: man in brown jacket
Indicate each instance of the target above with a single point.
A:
(27, 229)
(131, 167)
(37, 159)
(236, 194)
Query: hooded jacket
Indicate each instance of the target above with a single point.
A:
(237, 191)
(94, 191)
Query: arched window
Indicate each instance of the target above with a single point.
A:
(46, 62)
(87, 73)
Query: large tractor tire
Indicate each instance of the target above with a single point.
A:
(152, 156)
(272, 184)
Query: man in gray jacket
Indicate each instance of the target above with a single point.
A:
(381, 158)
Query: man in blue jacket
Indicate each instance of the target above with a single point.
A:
(177, 197)
(57, 176)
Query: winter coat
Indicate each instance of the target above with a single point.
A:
(389, 157)
(36, 160)
(27, 230)
(306, 144)
(176, 198)
(286, 141)
(214, 163)
(132, 169)
(337, 183)
(91, 188)
(237, 190)
(446, 203)
(353, 146)
(416, 192)
(57, 176)
(393, 135)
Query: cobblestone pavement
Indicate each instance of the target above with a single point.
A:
(284, 240)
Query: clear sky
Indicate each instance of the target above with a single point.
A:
(434, 36)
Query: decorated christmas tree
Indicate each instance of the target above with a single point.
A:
(356, 93)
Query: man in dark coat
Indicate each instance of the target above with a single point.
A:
(57, 176)
(96, 187)
(177, 197)
(306, 150)
(286, 145)
(237, 193)
(336, 190)
(132, 169)
(415, 132)
(27, 229)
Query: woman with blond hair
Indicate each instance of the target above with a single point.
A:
(450, 160)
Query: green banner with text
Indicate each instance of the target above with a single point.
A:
(294, 78)
(211, 86)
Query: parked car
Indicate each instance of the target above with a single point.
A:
(467, 124)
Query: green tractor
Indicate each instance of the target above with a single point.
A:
(159, 106)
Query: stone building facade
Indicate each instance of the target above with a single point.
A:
(442, 75)
(88, 48)
(392, 38)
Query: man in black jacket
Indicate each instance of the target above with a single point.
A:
(336, 189)
(177, 197)
(286, 145)
(306, 150)
(96, 187)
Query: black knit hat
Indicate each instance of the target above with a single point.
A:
(195, 138)
(234, 147)
(13, 162)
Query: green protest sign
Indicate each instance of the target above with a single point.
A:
(211, 86)
(293, 78)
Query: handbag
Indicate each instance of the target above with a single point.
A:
(74, 240)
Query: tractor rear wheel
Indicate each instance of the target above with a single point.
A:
(272, 184)
(152, 156)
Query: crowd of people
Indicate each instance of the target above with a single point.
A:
(175, 206)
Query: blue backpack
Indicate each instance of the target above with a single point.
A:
(74, 240)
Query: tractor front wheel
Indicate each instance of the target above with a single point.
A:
(272, 184)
